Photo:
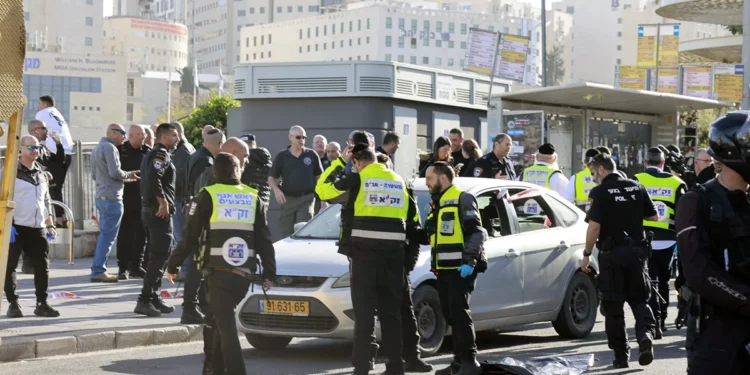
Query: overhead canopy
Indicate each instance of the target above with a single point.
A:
(608, 98)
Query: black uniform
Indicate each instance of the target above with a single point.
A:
(225, 289)
(488, 166)
(623, 253)
(46, 157)
(157, 180)
(131, 238)
(713, 227)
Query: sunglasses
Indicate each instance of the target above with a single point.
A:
(300, 137)
(32, 148)
(120, 131)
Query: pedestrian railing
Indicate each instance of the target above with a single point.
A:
(71, 231)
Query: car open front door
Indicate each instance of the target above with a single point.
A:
(499, 290)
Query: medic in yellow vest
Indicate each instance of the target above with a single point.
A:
(578, 190)
(545, 172)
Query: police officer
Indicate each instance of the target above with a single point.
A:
(623, 251)
(665, 191)
(545, 172)
(457, 239)
(157, 207)
(578, 191)
(497, 163)
(131, 238)
(227, 228)
(378, 235)
(713, 230)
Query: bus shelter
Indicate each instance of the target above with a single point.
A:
(582, 115)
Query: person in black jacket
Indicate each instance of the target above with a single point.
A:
(441, 151)
(258, 167)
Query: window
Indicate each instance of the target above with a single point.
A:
(241, 12)
(463, 45)
(564, 216)
(262, 10)
(463, 63)
(255, 41)
(333, 29)
(619, 34)
(619, 20)
(450, 62)
(342, 27)
(308, 48)
(26, 16)
(438, 61)
(359, 25)
(413, 43)
(451, 27)
(413, 60)
(426, 42)
(269, 38)
(350, 42)
(252, 10)
(128, 111)
(300, 9)
(90, 42)
(368, 25)
(413, 24)
(368, 40)
(534, 213)
(401, 24)
(289, 9)
(387, 40)
(359, 41)
(401, 42)
(491, 28)
(463, 29)
(313, 8)
(90, 2)
(571, 10)
(131, 87)
(506, 30)
(367, 57)
(317, 31)
(269, 54)
(300, 33)
(325, 46)
(308, 33)
(388, 57)
(619, 62)
(89, 21)
(619, 48)
(439, 26)
(316, 48)
(342, 44)
(438, 43)
(400, 58)
(451, 44)
(388, 22)
(426, 25)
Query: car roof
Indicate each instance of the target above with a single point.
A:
(475, 184)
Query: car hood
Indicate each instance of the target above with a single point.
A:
(306, 257)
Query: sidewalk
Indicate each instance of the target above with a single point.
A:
(101, 318)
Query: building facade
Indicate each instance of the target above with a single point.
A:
(149, 45)
(425, 37)
(72, 26)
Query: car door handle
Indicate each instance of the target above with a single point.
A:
(562, 246)
(511, 254)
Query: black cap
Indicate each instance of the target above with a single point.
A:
(547, 149)
(654, 155)
(248, 137)
(360, 147)
(729, 142)
(360, 137)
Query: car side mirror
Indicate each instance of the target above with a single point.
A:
(299, 226)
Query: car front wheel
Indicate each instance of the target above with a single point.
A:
(263, 342)
(430, 321)
(578, 313)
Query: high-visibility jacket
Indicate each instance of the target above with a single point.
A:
(539, 174)
(663, 191)
(381, 206)
(584, 182)
(231, 237)
(448, 238)
(324, 192)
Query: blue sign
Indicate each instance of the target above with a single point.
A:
(31, 63)
(739, 69)
(640, 30)
(515, 132)
(676, 30)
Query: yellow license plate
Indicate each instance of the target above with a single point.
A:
(284, 307)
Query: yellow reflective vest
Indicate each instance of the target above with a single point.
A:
(584, 182)
(448, 240)
(663, 191)
(322, 189)
(539, 174)
(231, 238)
(381, 205)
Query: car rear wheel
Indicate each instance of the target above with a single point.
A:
(263, 342)
(430, 321)
(578, 313)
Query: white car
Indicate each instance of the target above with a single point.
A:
(534, 249)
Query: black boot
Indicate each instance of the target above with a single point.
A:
(658, 335)
(161, 306)
(191, 314)
(645, 351)
(122, 274)
(452, 369)
(45, 311)
(14, 310)
(470, 367)
(146, 308)
(417, 365)
(620, 362)
(138, 273)
(663, 325)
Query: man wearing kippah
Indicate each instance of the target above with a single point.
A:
(545, 172)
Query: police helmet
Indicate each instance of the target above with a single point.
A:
(729, 142)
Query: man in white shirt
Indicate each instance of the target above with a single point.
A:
(56, 126)
(545, 172)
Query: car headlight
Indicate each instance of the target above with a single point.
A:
(344, 281)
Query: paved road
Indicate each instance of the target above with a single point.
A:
(313, 356)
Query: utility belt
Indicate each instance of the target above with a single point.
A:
(252, 276)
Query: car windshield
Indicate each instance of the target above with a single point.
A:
(325, 225)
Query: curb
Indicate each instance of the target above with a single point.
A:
(95, 342)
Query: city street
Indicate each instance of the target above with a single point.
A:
(313, 356)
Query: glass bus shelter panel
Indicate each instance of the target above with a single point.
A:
(627, 141)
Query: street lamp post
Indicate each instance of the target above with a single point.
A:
(544, 42)
(746, 55)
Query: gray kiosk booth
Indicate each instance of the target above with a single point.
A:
(334, 98)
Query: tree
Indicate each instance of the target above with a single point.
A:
(734, 29)
(213, 112)
(555, 66)
(701, 120)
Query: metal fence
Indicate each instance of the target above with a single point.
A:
(79, 186)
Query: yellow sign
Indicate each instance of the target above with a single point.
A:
(646, 52)
(729, 87)
(668, 81)
(669, 52)
(632, 77)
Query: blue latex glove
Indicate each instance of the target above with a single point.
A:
(13, 233)
(466, 270)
